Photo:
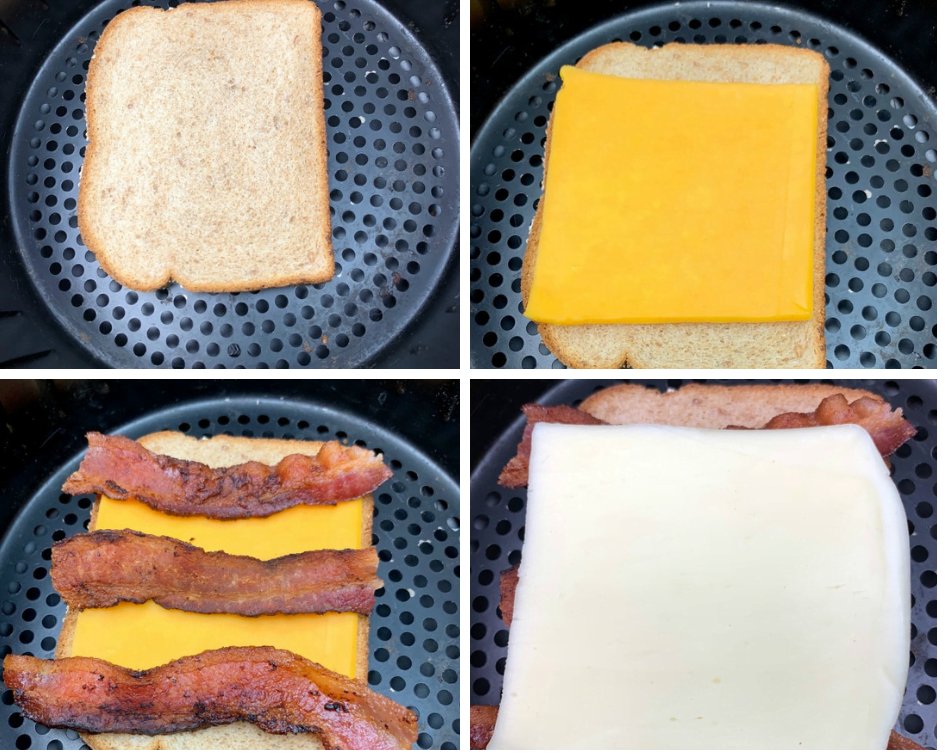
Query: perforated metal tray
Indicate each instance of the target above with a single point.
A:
(498, 528)
(414, 646)
(881, 188)
(393, 141)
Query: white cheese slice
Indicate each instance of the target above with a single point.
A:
(705, 589)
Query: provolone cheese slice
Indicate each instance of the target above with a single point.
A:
(677, 201)
(702, 589)
(146, 635)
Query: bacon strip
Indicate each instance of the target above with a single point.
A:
(515, 473)
(508, 582)
(278, 691)
(120, 468)
(887, 427)
(481, 726)
(899, 743)
(105, 567)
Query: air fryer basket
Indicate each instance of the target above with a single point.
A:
(393, 142)
(498, 519)
(881, 176)
(414, 646)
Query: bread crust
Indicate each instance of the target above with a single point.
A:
(92, 167)
(629, 345)
(219, 451)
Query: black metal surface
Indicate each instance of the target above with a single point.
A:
(393, 141)
(415, 627)
(881, 171)
(498, 517)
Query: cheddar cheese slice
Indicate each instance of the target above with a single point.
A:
(146, 635)
(677, 201)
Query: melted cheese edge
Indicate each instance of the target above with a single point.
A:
(677, 201)
(146, 635)
(702, 589)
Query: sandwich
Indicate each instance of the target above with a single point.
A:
(221, 599)
(683, 218)
(207, 161)
(717, 567)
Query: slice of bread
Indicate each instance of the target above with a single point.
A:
(798, 344)
(711, 406)
(207, 161)
(224, 451)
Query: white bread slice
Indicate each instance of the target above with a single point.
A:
(224, 451)
(207, 161)
(711, 406)
(702, 345)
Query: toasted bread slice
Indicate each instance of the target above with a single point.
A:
(207, 161)
(711, 406)
(796, 344)
(224, 451)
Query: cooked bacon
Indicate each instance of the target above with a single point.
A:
(515, 473)
(481, 726)
(887, 427)
(899, 743)
(120, 468)
(105, 567)
(508, 582)
(278, 691)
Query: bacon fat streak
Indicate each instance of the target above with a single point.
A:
(278, 691)
(120, 468)
(105, 567)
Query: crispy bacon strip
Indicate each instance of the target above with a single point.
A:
(515, 473)
(481, 726)
(106, 567)
(120, 468)
(887, 427)
(899, 743)
(508, 582)
(278, 691)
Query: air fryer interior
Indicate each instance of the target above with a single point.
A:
(393, 143)
(414, 646)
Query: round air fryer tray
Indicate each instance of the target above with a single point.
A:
(393, 142)
(881, 171)
(498, 520)
(414, 645)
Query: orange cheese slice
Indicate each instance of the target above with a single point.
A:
(146, 635)
(677, 201)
